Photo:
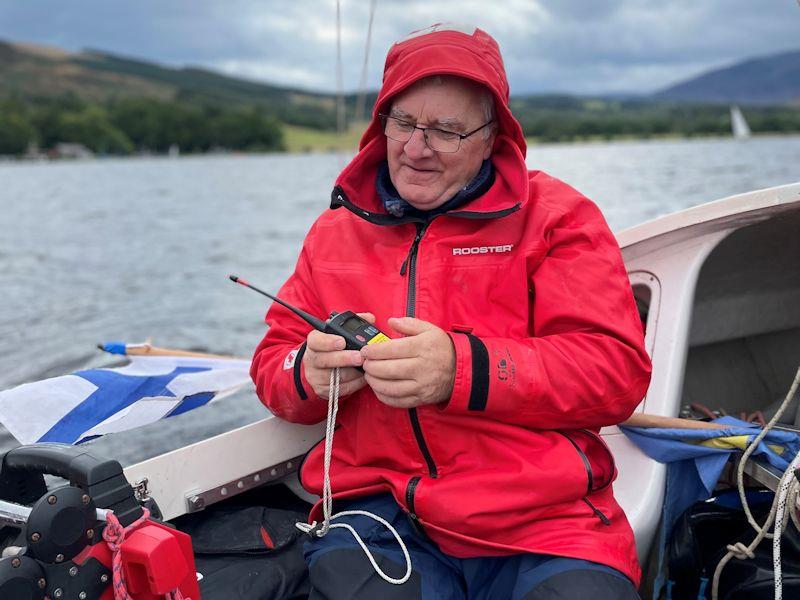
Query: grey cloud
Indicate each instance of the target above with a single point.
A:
(582, 46)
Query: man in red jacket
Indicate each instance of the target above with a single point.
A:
(474, 431)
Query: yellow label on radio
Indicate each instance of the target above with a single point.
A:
(378, 339)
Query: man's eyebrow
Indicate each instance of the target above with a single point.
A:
(450, 123)
(400, 113)
(447, 122)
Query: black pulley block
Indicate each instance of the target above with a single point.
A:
(61, 524)
(21, 578)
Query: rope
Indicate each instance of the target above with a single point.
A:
(786, 492)
(114, 535)
(739, 550)
(319, 530)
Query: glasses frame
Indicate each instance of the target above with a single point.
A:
(461, 136)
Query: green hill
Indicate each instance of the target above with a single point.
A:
(36, 72)
(117, 105)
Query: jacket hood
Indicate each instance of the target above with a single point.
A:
(442, 49)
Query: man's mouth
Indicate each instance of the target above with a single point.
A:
(419, 169)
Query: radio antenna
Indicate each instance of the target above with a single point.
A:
(316, 323)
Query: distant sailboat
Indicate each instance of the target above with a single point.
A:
(741, 130)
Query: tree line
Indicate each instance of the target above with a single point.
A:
(566, 119)
(133, 125)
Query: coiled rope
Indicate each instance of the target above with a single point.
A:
(319, 530)
(787, 493)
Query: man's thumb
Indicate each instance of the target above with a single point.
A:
(409, 325)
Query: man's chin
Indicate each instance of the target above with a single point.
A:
(420, 198)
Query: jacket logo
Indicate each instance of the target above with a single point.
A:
(288, 362)
(506, 370)
(482, 250)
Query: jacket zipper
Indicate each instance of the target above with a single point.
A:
(423, 447)
(412, 257)
(604, 519)
(590, 479)
(586, 464)
(410, 489)
(410, 267)
(599, 440)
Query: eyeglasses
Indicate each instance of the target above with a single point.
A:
(438, 140)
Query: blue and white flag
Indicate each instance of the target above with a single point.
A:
(74, 408)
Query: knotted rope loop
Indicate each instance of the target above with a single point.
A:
(740, 551)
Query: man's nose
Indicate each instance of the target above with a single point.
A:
(416, 147)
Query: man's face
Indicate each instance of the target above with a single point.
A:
(424, 178)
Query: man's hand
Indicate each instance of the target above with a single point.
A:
(324, 351)
(414, 370)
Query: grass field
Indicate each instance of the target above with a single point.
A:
(303, 139)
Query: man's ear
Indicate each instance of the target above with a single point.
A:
(487, 150)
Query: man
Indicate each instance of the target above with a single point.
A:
(474, 430)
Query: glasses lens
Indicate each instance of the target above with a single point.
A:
(443, 141)
(437, 140)
(397, 130)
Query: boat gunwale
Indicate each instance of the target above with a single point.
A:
(729, 212)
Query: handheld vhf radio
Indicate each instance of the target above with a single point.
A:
(357, 332)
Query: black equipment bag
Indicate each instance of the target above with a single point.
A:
(699, 541)
(248, 552)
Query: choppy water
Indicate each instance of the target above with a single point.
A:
(135, 248)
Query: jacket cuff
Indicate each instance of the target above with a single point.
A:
(301, 385)
(471, 385)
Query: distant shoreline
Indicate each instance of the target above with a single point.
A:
(326, 146)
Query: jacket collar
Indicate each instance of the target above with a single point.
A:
(355, 186)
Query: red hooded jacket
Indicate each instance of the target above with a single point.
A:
(528, 281)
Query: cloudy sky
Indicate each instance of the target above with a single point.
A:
(576, 46)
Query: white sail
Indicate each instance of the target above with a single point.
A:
(741, 130)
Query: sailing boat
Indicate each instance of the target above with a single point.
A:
(741, 130)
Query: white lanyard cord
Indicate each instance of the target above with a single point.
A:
(327, 497)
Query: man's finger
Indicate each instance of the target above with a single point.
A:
(410, 325)
(339, 358)
(368, 317)
(346, 387)
(348, 374)
(324, 342)
(392, 388)
(349, 387)
(398, 368)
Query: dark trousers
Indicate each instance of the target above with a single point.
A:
(339, 569)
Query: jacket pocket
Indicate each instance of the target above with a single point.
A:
(597, 459)
(601, 460)
(598, 463)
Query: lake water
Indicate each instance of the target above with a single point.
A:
(131, 249)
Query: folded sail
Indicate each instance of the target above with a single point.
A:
(86, 404)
